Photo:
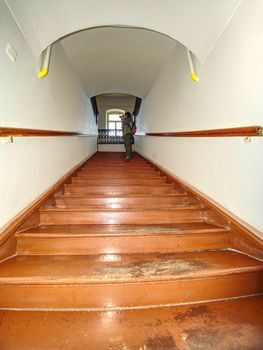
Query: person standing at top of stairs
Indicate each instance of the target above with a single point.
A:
(127, 125)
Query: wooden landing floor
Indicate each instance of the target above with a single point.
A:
(225, 325)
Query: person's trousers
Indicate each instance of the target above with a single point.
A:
(128, 145)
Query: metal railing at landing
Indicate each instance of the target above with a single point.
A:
(110, 136)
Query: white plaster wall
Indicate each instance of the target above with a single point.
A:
(196, 24)
(30, 165)
(56, 102)
(229, 94)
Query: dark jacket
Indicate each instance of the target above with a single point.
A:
(127, 125)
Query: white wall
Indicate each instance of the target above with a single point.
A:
(229, 94)
(196, 24)
(30, 165)
(106, 102)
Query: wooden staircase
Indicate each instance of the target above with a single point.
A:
(122, 236)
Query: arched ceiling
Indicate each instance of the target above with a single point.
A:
(195, 23)
(117, 59)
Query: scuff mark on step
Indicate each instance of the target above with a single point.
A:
(192, 312)
(231, 338)
(160, 342)
(149, 269)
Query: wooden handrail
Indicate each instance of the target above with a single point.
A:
(22, 132)
(242, 131)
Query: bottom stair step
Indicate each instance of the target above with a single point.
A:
(221, 325)
(137, 280)
(121, 239)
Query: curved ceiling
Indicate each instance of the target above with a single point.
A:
(195, 23)
(117, 59)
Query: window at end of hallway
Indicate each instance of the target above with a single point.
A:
(113, 119)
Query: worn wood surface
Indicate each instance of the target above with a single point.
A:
(122, 239)
(112, 281)
(225, 325)
(125, 235)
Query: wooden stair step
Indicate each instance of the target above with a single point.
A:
(117, 161)
(112, 281)
(128, 201)
(120, 160)
(119, 181)
(218, 325)
(118, 189)
(118, 174)
(121, 239)
(116, 230)
(115, 156)
(124, 166)
(159, 215)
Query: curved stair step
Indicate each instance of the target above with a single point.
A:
(112, 281)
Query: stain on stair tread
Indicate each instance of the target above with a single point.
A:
(224, 325)
(182, 228)
(133, 267)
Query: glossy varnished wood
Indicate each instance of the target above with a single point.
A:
(225, 132)
(112, 281)
(124, 235)
(117, 167)
(142, 215)
(128, 201)
(121, 239)
(119, 181)
(119, 173)
(119, 189)
(224, 325)
(23, 132)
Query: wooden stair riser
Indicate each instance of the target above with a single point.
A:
(120, 181)
(126, 244)
(120, 189)
(60, 217)
(122, 202)
(77, 296)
